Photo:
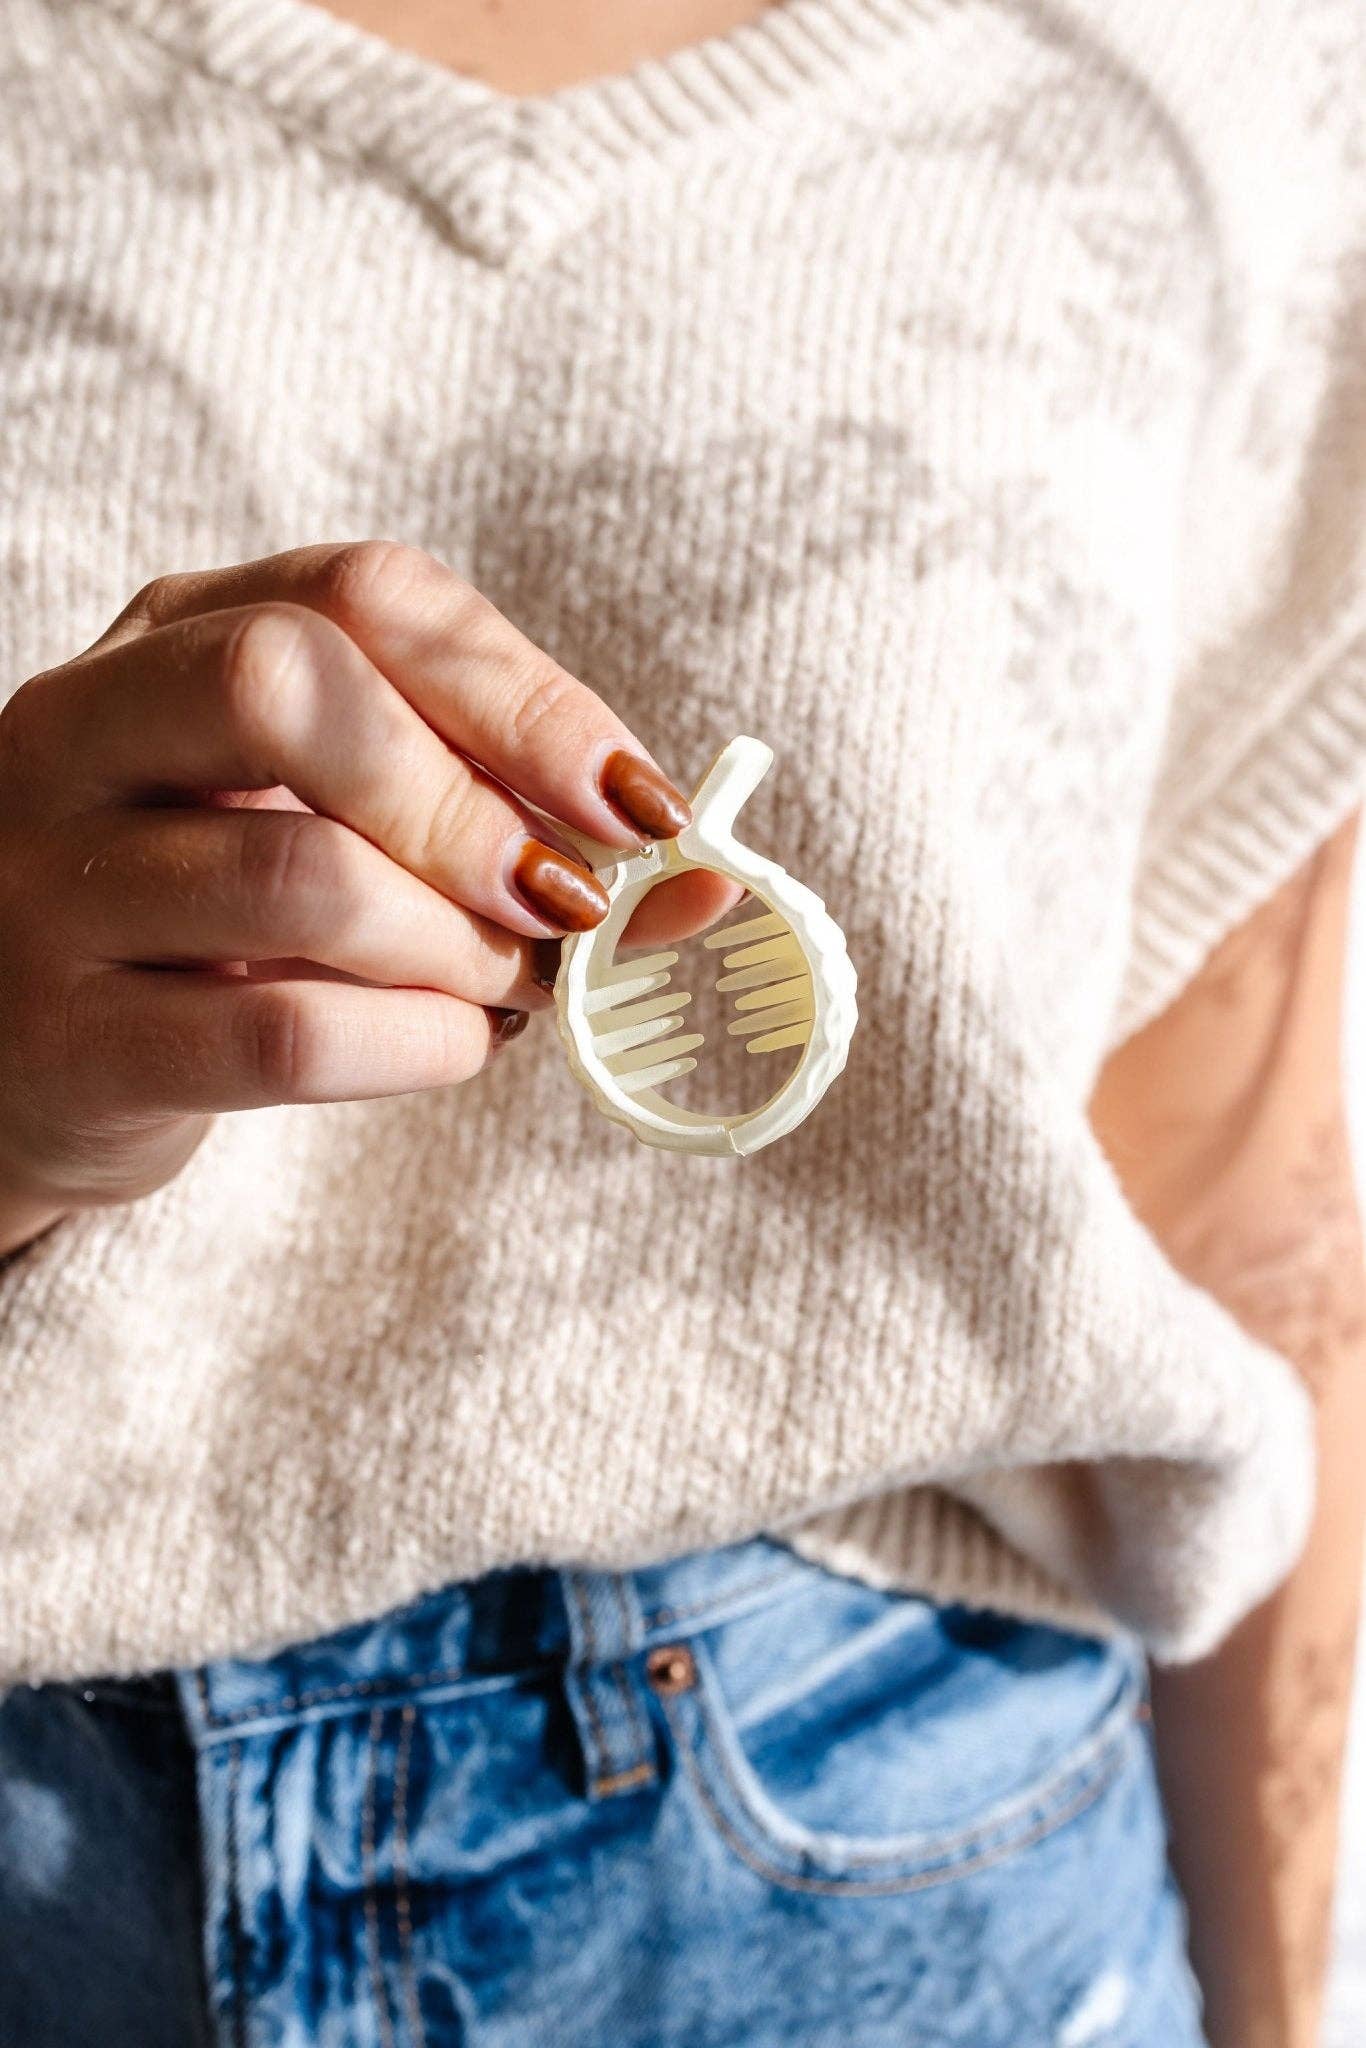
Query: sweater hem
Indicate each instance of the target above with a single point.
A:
(1289, 792)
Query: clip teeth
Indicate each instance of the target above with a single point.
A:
(632, 1023)
(636, 1027)
(627, 979)
(796, 1012)
(620, 1030)
(653, 1065)
(778, 1041)
(772, 969)
(769, 926)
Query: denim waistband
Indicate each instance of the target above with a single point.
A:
(479, 1632)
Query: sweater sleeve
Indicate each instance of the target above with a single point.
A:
(1265, 747)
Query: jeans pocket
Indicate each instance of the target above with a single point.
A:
(867, 1742)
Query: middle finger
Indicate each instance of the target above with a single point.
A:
(277, 693)
(179, 887)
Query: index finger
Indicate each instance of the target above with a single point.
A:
(484, 686)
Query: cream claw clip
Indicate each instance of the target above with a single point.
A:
(787, 966)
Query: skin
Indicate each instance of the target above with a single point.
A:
(537, 46)
(1226, 1123)
(280, 835)
(1224, 1118)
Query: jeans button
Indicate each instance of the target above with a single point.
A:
(671, 1668)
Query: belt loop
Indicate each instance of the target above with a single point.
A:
(603, 1682)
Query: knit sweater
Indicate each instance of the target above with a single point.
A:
(965, 398)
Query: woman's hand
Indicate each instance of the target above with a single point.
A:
(269, 840)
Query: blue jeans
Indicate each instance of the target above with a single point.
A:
(734, 1801)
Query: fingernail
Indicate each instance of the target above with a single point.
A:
(646, 799)
(545, 963)
(506, 1024)
(559, 891)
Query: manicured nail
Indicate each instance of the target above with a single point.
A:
(506, 1025)
(646, 799)
(559, 891)
(545, 963)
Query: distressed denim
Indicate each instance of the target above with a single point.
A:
(734, 1801)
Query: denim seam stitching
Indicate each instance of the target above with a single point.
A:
(402, 1902)
(1108, 1765)
(660, 1617)
(1114, 1726)
(1088, 1757)
(236, 1941)
(321, 1695)
(641, 1767)
(627, 1690)
(619, 1781)
(601, 1775)
(378, 1988)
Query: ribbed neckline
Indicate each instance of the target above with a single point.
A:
(498, 164)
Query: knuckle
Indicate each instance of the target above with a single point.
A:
(261, 661)
(155, 601)
(284, 863)
(281, 1045)
(451, 824)
(543, 695)
(334, 870)
(370, 579)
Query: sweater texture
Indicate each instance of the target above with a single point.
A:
(965, 398)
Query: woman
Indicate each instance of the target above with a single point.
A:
(480, 1580)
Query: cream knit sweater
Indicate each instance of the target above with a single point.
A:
(966, 398)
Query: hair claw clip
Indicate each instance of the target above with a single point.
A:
(786, 966)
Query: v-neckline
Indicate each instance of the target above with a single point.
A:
(508, 171)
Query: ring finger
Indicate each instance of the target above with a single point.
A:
(204, 885)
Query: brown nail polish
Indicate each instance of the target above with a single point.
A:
(646, 799)
(545, 963)
(506, 1024)
(559, 891)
